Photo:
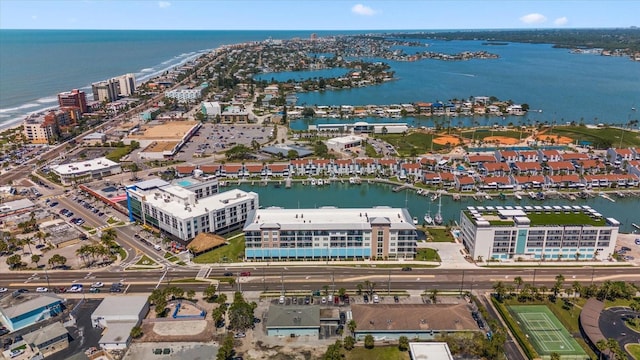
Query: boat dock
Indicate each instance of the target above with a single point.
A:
(401, 187)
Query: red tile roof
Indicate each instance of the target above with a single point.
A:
(481, 158)
(496, 166)
(364, 161)
(431, 176)
(343, 161)
(561, 165)
(466, 180)
(188, 169)
(232, 168)
(528, 166)
(564, 178)
(209, 169)
(497, 179)
(299, 162)
(278, 167)
(411, 166)
(574, 156)
(387, 161)
(528, 179)
(254, 168)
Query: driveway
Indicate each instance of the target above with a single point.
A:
(613, 326)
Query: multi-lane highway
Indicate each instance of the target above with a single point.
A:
(275, 277)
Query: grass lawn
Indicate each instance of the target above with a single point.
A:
(634, 349)
(117, 153)
(484, 133)
(564, 219)
(600, 137)
(414, 143)
(231, 252)
(169, 256)
(377, 353)
(427, 255)
(439, 235)
(369, 151)
(111, 221)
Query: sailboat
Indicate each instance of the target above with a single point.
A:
(427, 217)
(438, 219)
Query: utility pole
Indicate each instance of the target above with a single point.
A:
(534, 278)
(282, 281)
(462, 283)
(389, 284)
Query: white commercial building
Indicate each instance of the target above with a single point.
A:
(184, 95)
(119, 314)
(537, 233)
(85, 171)
(343, 143)
(211, 109)
(429, 351)
(126, 84)
(184, 210)
(330, 233)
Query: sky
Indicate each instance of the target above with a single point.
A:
(316, 14)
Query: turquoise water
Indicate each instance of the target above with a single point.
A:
(567, 87)
(346, 195)
(184, 183)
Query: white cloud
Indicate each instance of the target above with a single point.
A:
(533, 18)
(360, 9)
(561, 21)
(164, 4)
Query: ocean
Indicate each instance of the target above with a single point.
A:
(35, 65)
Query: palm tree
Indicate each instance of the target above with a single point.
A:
(434, 296)
(518, 281)
(499, 289)
(35, 258)
(351, 325)
(602, 346)
(577, 288)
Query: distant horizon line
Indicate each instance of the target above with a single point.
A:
(631, 27)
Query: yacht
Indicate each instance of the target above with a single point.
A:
(438, 219)
(313, 182)
(320, 182)
(415, 220)
(428, 219)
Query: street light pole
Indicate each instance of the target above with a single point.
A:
(462, 283)
(389, 285)
(534, 278)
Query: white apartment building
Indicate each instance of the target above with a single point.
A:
(85, 171)
(537, 233)
(182, 214)
(184, 95)
(330, 233)
(126, 84)
(211, 109)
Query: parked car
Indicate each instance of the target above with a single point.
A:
(2, 290)
(245, 273)
(42, 289)
(406, 268)
(97, 284)
(76, 288)
(376, 298)
(228, 273)
(239, 335)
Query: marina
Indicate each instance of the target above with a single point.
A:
(368, 194)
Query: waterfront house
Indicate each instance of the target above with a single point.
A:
(515, 110)
(522, 168)
(233, 171)
(549, 155)
(428, 163)
(298, 167)
(321, 167)
(610, 180)
(573, 156)
(412, 170)
(465, 183)
(432, 178)
(341, 167)
(497, 183)
(636, 153)
(528, 156)
(563, 181)
(365, 166)
(211, 169)
(448, 179)
(494, 169)
(529, 181)
(184, 170)
(592, 166)
(475, 160)
(388, 166)
(508, 156)
(633, 167)
(561, 167)
(253, 170)
(424, 108)
(278, 170)
(619, 156)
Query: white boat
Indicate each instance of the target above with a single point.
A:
(518, 196)
(435, 196)
(313, 182)
(415, 220)
(428, 219)
(438, 219)
(532, 195)
(320, 182)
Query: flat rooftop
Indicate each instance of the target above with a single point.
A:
(203, 205)
(536, 216)
(84, 166)
(430, 351)
(330, 218)
(161, 146)
(170, 130)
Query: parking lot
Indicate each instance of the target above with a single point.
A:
(628, 247)
(213, 138)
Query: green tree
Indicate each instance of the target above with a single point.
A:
(161, 307)
(500, 290)
(241, 313)
(349, 342)
(191, 294)
(35, 258)
(555, 356)
(433, 296)
(225, 352)
(209, 292)
(351, 325)
(136, 332)
(334, 351)
(14, 261)
(369, 342)
(403, 343)
(518, 281)
(601, 345)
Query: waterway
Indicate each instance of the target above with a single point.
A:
(366, 195)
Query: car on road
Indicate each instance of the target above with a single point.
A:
(239, 335)
(396, 299)
(3, 290)
(228, 273)
(323, 300)
(245, 273)
(42, 289)
(366, 298)
(406, 268)
(625, 248)
(376, 298)
(97, 284)
(76, 288)
(637, 241)
(53, 204)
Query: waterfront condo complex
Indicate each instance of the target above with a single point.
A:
(189, 207)
(537, 233)
(330, 233)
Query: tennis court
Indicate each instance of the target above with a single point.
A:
(546, 333)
